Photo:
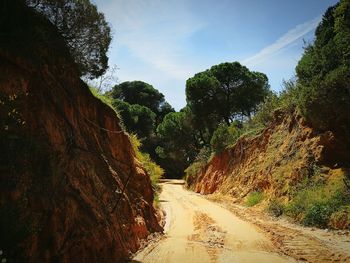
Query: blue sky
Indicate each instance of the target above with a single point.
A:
(165, 42)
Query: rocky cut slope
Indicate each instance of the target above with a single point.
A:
(287, 157)
(71, 188)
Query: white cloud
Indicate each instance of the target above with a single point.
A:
(154, 31)
(287, 39)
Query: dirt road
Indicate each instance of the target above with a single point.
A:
(198, 230)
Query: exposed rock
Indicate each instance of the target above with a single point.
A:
(68, 169)
(285, 153)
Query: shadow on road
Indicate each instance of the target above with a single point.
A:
(172, 181)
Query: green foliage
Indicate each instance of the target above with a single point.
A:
(224, 136)
(136, 118)
(289, 98)
(143, 94)
(199, 163)
(102, 97)
(226, 91)
(177, 143)
(318, 215)
(154, 171)
(84, 29)
(314, 205)
(192, 171)
(264, 114)
(326, 104)
(254, 198)
(142, 109)
(324, 72)
(106, 99)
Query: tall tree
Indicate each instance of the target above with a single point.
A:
(177, 140)
(84, 29)
(142, 93)
(324, 72)
(136, 118)
(226, 91)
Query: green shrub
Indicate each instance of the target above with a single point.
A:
(192, 171)
(275, 208)
(224, 136)
(199, 163)
(324, 72)
(254, 198)
(318, 214)
(264, 115)
(154, 171)
(252, 129)
(104, 98)
(314, 205)
(289, 98)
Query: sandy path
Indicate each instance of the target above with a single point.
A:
(198, 230)
(302, 243)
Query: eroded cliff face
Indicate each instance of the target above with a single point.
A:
(274, 162)
(71, 187)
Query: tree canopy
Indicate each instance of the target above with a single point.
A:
(139, 92)
(177, 142)
(136, 118)
(144, 94)
(142, 109)
(324, 72)
(85, 30)
(228, 90)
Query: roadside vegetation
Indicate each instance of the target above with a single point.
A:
(324, 204)
(228, 102)
(320, 93)
(254, 198)
(154, 171)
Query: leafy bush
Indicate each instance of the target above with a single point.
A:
(325, 103)
(289, 98)
(224, 136)
(200, 162)
(254, 198)
(154, 171)
(324, 72)
(275, 208)
(192, 171)
(318, 214)
(264, 115)
(314, 205)
(104, 98)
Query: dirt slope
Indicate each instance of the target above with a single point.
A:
(198, 230)
(65, 160)
(274, 162)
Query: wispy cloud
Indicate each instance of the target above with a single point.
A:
(287, 39)
(155, 32)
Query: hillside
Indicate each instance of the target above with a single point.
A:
(290, 167)
(72, 189)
